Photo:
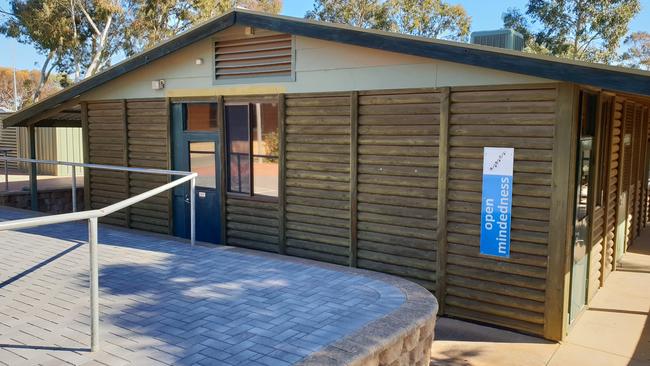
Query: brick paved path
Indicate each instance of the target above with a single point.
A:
(163, 302)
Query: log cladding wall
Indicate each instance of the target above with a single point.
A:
(130, 133)
(107, 145)
(628, 121)
(148, 123)
(397, 183)
(614, 165)
(318, 176)
(508, 292)
(252, 224)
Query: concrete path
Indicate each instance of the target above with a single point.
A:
(164, 303)
(614, 331)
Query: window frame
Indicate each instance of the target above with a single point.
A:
(251, 156)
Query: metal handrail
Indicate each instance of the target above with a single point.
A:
(92, 217)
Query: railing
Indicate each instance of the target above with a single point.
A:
(92, 217)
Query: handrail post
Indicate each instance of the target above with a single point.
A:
(94, 285)
(6, 172)
(74, 189)
(192, 211)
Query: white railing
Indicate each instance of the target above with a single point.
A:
(92, 217)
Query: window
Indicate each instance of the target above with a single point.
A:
(200, 116)
(588, 121)
(252, 148)
(202, 162)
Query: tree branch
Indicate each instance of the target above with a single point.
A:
(90, 20)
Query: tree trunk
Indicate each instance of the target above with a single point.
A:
(101, 44)
(45, 74)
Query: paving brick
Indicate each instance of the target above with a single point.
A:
(163, 302)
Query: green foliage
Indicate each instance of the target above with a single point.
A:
(426, 18)
(589, 30)
(149, 22)
(272, 144)
(372, 14)
(430, 18)
(638, 53)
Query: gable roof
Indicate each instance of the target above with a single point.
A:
(603, 76)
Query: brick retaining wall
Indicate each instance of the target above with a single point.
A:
(53, 201)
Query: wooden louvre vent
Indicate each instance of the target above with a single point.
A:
(259, 57)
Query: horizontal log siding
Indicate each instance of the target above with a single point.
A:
(508, 292)
(107, 145)
(398, 137)
(252, 224)
(148, 122)
(318, 176)
(629, 112)
(611, 194)
(640, 169)
(596, 251)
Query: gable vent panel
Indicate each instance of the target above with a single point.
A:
(253, 57)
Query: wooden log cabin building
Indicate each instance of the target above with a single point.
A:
(365, 148)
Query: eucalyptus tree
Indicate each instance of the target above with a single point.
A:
(430, 18)
(149, 22)
(426, 18)
(72, 35)
(590, 30)
(637, 54)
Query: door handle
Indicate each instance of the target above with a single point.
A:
(187, 198)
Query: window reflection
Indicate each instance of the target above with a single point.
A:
(252, 139)
(202, 161)
(588, 115)
(200, 116)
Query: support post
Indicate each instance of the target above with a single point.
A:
(86, 152)
(223, 171)
(443, 170)
(33, 169)
(74, 189)
(282, 165)
(354, 133)
(6, 172)
(192, 211)
(560, 234)
(94, 285)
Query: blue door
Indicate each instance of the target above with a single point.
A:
(196, 148)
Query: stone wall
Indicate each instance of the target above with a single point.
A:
(54, 201)
(412, 349)
(401, 338)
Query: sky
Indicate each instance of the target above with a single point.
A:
(486, 15)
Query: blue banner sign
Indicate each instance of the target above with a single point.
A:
(496, 207)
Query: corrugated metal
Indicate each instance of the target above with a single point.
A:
(68, 148)
(8, 140)
(63, 144)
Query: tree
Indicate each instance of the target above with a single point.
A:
(26, 82)
(73, 35)
(426, 18)
(372, 14)
(430, 18)
(149, 22)
(638, 52)
(588, 30)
